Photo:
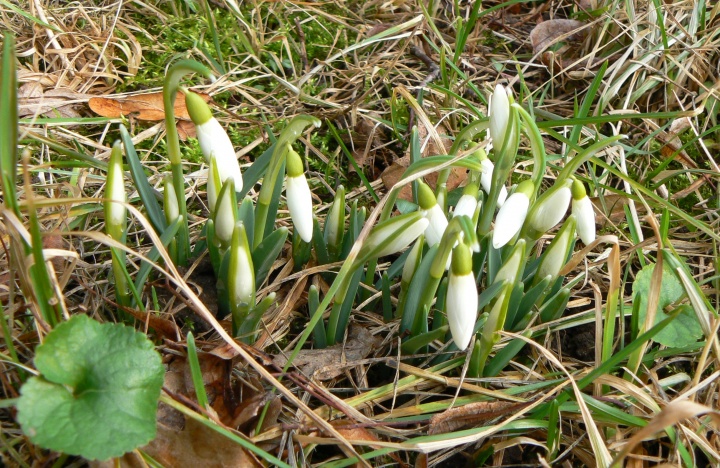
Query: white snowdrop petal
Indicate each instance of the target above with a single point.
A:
(552, 210)
(299, 200)
(583, 211)
(406, 236)
(466, 206)
(499, 116)
(510, 219)
(215, 141)
(437, 225)
(461, 304)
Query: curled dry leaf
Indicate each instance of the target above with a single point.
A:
(470, 415)
(561, 36)
(143, 106)
(33, 100)
(328, 363)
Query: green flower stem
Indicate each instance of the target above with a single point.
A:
(287, 137)
(503, 165)
(170, 88)
(536, 146)
(8, 127)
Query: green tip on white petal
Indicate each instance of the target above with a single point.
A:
(526, 187)
(293, 165)
(471, 189)
(578, 190)
(461, 260)
(197, 108)
(426, 197)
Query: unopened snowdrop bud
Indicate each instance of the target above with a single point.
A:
(299, 198)
(462, 297)
(557, 252)
(499, 116)
(512, 215)
(241, 274)
(411, 263)
(434, 214)
(582, 209)
(170, 201)
(335, 220)
(213, 139)
(214, 184)
(225, 214)
(486, 178)
(115, 211)
(468, 202)
(393, 235)
(550, 208)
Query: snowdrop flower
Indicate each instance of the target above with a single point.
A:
(512, 215)
(335, 220)
(393, 235)
(582, 209)
(468, 202)
(225, 214)
(550, 208)
(486, 178)
(115, 211)
(499, 116)
(241, 274)
(462, 297)
(431, 210)
(213, 139)
(411, 263)
(297, 193)
(170, 201)
(214, 184)
(555, 255)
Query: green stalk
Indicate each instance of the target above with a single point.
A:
(170, 88)
(8, 128)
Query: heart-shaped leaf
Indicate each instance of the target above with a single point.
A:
(98, 391)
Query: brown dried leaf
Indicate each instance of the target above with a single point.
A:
(550, 32)
(186, 129)
(328, 363)
(197, 445)
(143, 106)
(34, 101)
(393, 173)
(471, 414)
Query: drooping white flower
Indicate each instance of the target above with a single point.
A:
(433, 212)
(462, 297)
(486, 180)
(550, 208)
(225, 214)
(468, 202)
(582, 209)
(394, 234)
(299, 198)
(213, 139)
(499, 116)
(512, 214)
(241, 274)
(555, 255)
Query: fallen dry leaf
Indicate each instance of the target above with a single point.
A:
(557, 35)
(471, 414)
(328, 363)
(33, 100)
(143, 106)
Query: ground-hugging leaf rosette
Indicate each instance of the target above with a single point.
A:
(98, 392)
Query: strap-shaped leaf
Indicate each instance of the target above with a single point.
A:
(266, 253)
(148, 195)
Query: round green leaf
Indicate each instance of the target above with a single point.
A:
(685, 329)
(98, 393)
